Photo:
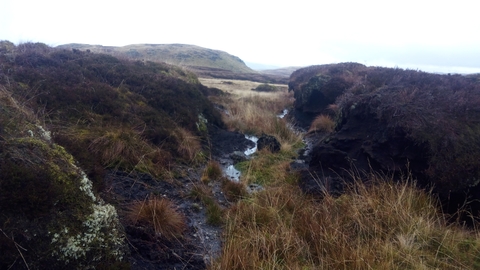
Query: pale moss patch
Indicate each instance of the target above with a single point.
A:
(101, 231)
(86, 186)
(46, 135)
(100, 228)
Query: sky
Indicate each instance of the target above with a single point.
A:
(434, 36)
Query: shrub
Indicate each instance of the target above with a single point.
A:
(123, 112)
(160, 215)
(265, 87)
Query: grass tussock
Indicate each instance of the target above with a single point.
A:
(268, 168)
(119, 148)
(382, 225)
(189, 145)
(212, 171)
(160, 214)
(233, 190)
(322, 123)
(215, 213)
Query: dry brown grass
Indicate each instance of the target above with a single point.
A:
(212, 171)
(203, 193)
(380, 225)
(233, 190)
(255, 113)
(237, 87)
(383, 225)
(322, 123)
(189, 145)
(10, 102)
(125, 149)
(117, 144)
(160, 214)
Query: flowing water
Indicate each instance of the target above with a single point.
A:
(230, 171)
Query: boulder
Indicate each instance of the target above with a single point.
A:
(268, 142)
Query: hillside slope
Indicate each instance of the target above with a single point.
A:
(175, 54)
(68, 116)
(282, 72)
(83, 95)
(203, 62)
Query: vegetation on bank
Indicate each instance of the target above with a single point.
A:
(51, 217)
(435, 116)
(112, 113)
(376, 224)
(202, 61)
(62, 110)
(265, 87)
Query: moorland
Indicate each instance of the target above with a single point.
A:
(109, 162)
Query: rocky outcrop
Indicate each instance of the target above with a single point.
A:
(397, 122)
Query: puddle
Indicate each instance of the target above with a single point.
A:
(230, 171)
(252, 150)
(283, 114)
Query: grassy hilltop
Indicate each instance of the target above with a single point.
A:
(175, 54)
(202, 61)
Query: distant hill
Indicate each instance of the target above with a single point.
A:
(282, 72)
(175, 54)
(259, 66)
(204, 62)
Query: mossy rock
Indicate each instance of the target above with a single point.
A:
(51, 218)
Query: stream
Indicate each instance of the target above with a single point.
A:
(230, 171)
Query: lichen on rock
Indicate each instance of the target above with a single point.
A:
(48, 205)
(101, 230)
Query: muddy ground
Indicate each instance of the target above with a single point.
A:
(201, 242)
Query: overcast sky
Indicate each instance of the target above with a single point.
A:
(437, 36)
